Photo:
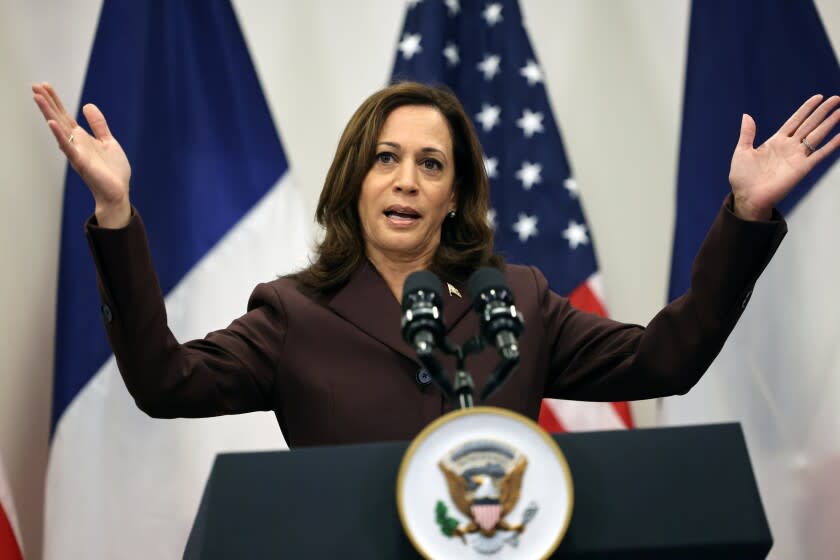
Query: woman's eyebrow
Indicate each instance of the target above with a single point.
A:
(435, 150)
(427, 149)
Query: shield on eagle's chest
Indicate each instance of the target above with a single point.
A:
(486, 516)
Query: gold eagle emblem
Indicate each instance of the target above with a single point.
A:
(484, 479)
(485, 499)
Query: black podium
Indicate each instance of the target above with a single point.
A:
(681, 493)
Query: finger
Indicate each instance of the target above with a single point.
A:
(44, 106)
(97, 121)
(824, 151)
(789, 128)
(745, 140)
(49, 114)
(819, 134)
(64, 144)
(41, 98)
(40, 89)
(818, 116)
(66, 118)
(55, 97)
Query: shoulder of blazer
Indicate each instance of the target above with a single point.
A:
(527, 282)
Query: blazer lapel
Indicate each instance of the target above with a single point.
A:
(367, 302)
(456, 303)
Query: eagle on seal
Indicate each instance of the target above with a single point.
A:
(486, 495)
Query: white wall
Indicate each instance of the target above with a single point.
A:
(614, 73)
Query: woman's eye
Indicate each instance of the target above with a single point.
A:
(432, 164)
(385, 157)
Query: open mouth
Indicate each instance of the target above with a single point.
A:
(401, 215)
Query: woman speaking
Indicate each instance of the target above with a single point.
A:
(407, 191)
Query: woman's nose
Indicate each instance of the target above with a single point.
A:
(406, 179)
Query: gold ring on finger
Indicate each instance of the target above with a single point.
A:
(71, 139)
(808, 145)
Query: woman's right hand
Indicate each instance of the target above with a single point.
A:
(98, 159)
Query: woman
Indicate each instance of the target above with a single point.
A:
(407, 191)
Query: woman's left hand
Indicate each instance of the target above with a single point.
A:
(761, 177)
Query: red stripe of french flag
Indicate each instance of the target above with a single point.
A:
(9, 544)
(9, 548)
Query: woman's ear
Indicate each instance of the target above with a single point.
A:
(453, 196)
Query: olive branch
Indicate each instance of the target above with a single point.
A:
(447, 524)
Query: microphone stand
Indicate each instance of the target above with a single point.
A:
(461, 391)
(425, 355)
(464, 385)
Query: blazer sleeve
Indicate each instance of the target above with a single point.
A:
(228, 372)
(594, 358)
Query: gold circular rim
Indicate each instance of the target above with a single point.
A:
(456, 414)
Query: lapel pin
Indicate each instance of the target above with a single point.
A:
(453, 291)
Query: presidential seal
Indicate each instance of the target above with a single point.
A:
(484, 482)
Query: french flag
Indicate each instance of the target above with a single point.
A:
(779, 373)
(175, 80)
(9, 533)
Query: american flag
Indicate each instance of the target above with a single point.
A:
(480, 49)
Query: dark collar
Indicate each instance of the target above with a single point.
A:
(367, 302)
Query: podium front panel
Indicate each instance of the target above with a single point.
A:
(685, 493)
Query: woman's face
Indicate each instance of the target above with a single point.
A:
(409, 189)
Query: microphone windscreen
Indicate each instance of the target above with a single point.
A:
(421, 280)
(486, 278)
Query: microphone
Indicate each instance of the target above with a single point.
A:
(422, 323)
(422, 320)
(501, 323)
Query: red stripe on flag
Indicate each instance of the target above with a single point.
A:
(584, 298)
(623, 411)
(9, 549)
(548, 421)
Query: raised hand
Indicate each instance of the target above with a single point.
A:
(98, 159)
(761, 177)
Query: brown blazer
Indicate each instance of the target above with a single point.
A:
(335, 370)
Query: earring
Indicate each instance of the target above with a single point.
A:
(451, 214)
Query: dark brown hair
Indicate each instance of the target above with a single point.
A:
(466, 240)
